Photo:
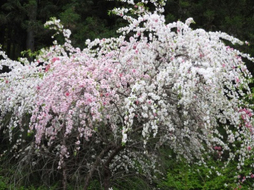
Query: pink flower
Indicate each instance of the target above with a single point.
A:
(201, 55)
(47, 68)
(67, 94)
(217, 148)
(55, 59)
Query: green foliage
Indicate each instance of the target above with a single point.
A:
(69, 16)
(91, 28)
(131, 183)
(29, 53)
(185, 176)
(5, 183)
(94, 185)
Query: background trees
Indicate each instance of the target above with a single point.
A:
(22, 22)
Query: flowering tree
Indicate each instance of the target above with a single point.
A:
(107, 109)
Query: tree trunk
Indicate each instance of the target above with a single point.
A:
(32, 14)
(96, 163)
(106, 178)
(107, 173)
(30, 40)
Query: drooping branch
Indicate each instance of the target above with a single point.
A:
(116, 151)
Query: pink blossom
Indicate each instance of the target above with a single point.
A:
(217, 148)
(55, 59)
(47, 68)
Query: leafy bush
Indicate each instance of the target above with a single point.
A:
(214, 175)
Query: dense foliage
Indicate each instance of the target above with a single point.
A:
(106, 111)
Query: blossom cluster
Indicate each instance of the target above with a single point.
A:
(168, 82)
